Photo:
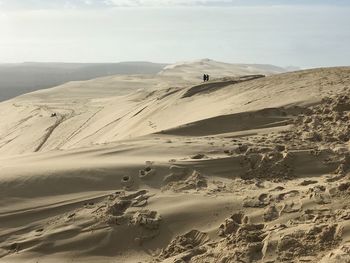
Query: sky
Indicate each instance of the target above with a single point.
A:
(309, 33)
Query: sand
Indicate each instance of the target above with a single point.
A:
(169, 169)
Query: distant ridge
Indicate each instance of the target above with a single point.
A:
(20, 78)
(227, 69)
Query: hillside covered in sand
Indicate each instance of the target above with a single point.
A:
(110, 108)
(165, 168)
(20, 78)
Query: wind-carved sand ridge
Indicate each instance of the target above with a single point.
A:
(226, 171)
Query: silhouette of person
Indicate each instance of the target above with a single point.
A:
(205, 77)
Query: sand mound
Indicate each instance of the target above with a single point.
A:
(96, 111)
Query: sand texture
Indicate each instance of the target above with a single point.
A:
(166, 168)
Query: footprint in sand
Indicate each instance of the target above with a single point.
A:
(119, 207)
(318, 195)
(231, 224)
(341, 190)
(303, 243)
(318, 216)
(127, 182)
(308, 182)
(117, 212)
(247, 238)
(199, 156)
(188, 245)
(145, 173)
(176, 173)
(286, 195)
(257, 201)
(291, 207)
(181, 179)
(339, 255)
(277, 188)
(271, 213)
(146, 218)
(148, 171)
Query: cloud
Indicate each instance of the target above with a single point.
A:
(167, 3)
(283, 35)
(89, 4)
(218, 3)
(52, 4)
(73, 4)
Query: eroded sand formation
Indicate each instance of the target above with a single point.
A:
(295, 224)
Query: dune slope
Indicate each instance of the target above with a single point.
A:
(21, 78)
(240, 169)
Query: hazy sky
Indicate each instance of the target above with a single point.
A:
(281, 32)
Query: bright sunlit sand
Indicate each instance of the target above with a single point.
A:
(146, 162)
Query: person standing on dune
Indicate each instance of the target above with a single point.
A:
(205, 77)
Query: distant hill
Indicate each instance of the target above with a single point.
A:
(22, 78)
(17, 79)
(219, 69)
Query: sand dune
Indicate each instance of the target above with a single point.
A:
(95, 112)
(20, 78)
(169, 169)
(219, 69)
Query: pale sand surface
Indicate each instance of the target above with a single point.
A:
(164, 168)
